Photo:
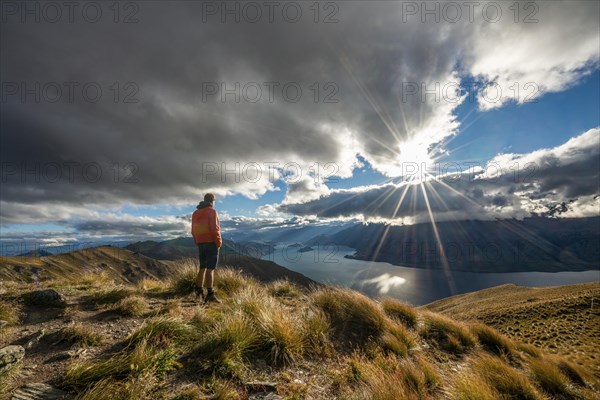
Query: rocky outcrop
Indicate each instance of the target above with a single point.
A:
(9, 357)
(46, 298)
(40, 391)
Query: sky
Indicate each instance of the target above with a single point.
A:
(115, 121)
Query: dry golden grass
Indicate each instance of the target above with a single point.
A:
(353, 316)
(10, 312)
(399, 311)
(448, 334)
(388, 378)
(492, 340)
(560, 320)
(164, 331)
(550, 378)
(141, 361)
(83, 334)
(183, 280)
(112, 295)
(472, 387)
(503, 378)
(229, 280)
(152, 285)
(284, 288)
(329, 343)
(131, 306)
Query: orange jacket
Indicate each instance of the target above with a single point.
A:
(205, 225)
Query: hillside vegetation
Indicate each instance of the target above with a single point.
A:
(152, 340)
(563, 320)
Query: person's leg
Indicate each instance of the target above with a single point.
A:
(202, 258)
(213, 259)
(202, 278)
(208, 278)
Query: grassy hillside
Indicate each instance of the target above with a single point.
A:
(130, 266)
(116, 262)
(562, 320)
(153, 341)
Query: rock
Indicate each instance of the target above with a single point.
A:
(40, 391)
(259, 386)
(47, 298)
(265, 396)
(3, 323)
(36, 338)
(9, 357)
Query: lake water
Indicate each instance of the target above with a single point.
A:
(412, 285)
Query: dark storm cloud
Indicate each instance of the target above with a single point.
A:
(156, 150)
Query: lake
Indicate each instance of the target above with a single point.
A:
(412, 285)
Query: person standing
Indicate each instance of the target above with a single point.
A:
(207, 235)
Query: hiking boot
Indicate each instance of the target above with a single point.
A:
(211, 298)
(199, 292)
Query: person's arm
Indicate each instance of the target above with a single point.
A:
(215, 229)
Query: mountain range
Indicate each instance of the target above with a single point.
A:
(533, 244)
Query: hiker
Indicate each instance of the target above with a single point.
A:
(207, 235)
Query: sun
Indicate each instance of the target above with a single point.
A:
(414, 152)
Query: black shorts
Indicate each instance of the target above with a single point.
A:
(208, 253)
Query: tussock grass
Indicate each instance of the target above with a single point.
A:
(222, 390)
(252, 301)
(284, 288)
(227, 343)
(528, 349)
(397, 339)
(353, 316)
(317, 328)
(386, 378)
(189, 393)
(550, 378)
(450, 335)
(93, 279)
(139, 388)
(132, 306)
(505, 379)
(399, 311)
(83, 334)
(573, 372)
(10, 312)
(151, 285)
(281, 334)
(163, 331)
(171, 308)
(142, 360)
(112, 296)
(492, 340)
(229, 280)
(183, 280)
(472, 387)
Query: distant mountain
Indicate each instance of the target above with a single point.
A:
(232, 254)
(120, 264)
(36, 253)
(284, 233)
(533, 244)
